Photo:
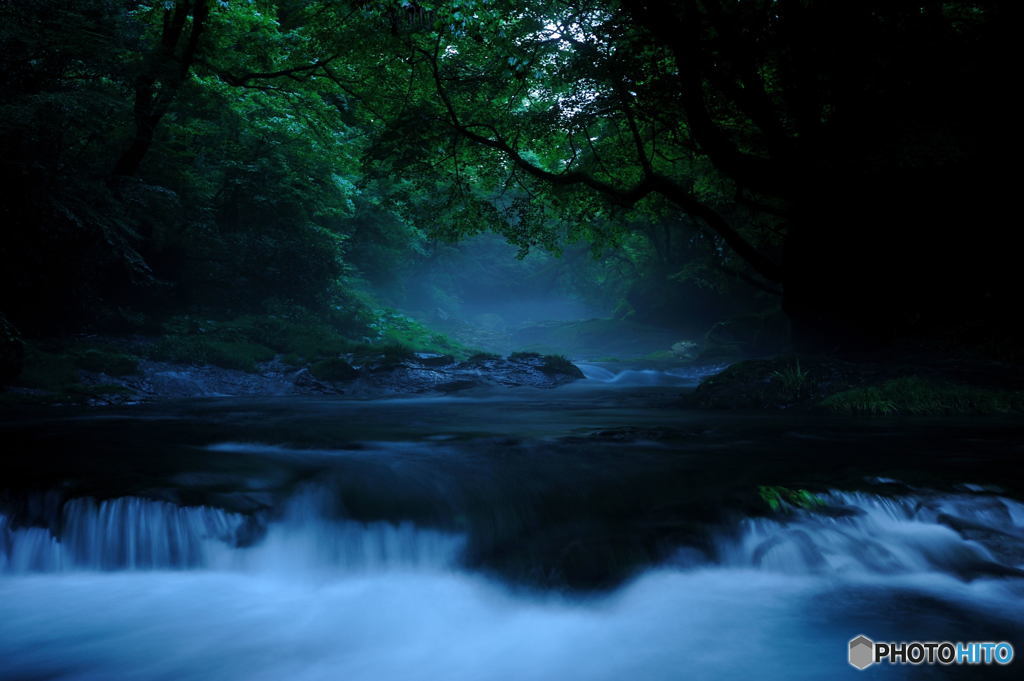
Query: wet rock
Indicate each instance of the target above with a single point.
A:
(306, 383)
(362, 377)
(439, 374)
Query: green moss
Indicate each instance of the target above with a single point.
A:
(781, 498)
(47, 370)
(299, 334)
(110, 363)
(239, 355)
(67, 393)
(559, 365)
(396, 328)
(333, 370)
(918, 396)
(478, 357)
(388, 354)
(523, 356)
(661, 356)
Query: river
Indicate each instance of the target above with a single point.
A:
(602, 530)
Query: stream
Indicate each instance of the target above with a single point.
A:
(602, 530)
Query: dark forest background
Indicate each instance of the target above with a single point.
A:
(244, 177)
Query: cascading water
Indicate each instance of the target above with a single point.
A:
(424, 546)
(390, 601)
(962, 535)
(123, 533)
(138, 534)
(683, 376)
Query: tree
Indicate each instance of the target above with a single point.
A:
(837, 148)
(167, 67)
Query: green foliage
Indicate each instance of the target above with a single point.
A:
(55, 368)
(918, 396)
(110, 363)
(333, 370)
(240, 355)
(524, 356)
(395, 328)
(794, 382)
(781, 498)
(47, 370)
(558, 365)
(478, 357)
(384, 354)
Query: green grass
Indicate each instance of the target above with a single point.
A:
(522, 356)
(240, 355)
(794, 382)
(297, 333)
(47, 370)
(559, 364)
(68, 393)
(390, 353)
(917, 396)
(107, 362)
(781, 498)
(395, 328)
(478, 357)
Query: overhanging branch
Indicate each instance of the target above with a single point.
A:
(625, 197)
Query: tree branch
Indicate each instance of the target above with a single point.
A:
(625, 197)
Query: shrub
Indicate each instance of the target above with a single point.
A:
(558, 364)
(47, 370)
(242, 356)
(923, 397)
(524, 356)
(794, 381)
(333, 370)
(110, 363)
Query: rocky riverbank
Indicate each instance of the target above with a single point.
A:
(365, 375)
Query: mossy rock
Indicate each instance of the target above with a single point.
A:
(781, 382)
(558, 365)
(524, 356)
(333, 370)
(110, 363)
(913, 395)
(479, 358)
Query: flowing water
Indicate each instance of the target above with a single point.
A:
(602, 530)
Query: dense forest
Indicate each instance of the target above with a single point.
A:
(833, 167)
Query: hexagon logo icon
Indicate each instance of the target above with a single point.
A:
(862, 652)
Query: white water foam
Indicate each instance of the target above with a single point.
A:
(689, 376)
(859, 532)
(138, 534)
(391, 604)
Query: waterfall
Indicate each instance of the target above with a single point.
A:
(121, 533)
(966, 535)
(140, 534)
